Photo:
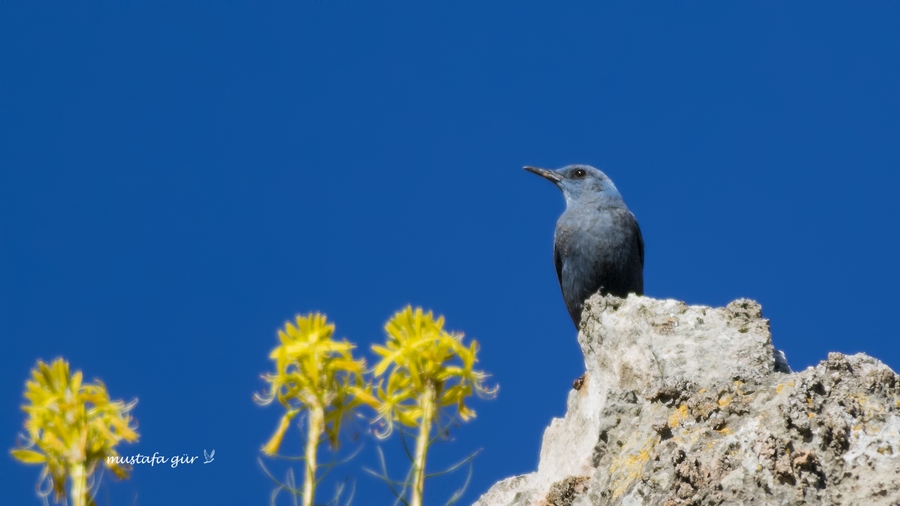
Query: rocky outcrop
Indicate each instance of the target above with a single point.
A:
(690, 405)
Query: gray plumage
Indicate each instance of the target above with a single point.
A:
(598, 245)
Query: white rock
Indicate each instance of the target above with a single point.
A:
(693, 405)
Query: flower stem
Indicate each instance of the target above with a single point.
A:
(79, 484)
(316, 428)
(427, 403)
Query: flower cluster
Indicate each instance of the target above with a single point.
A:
(421, 358)
(422, 371)
(72, 427)
(313, 372)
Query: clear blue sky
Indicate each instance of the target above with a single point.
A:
(178, 180)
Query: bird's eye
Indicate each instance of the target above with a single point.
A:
(579, 173)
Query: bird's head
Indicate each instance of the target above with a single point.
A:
(582, 184)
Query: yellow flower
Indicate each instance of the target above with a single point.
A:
(72, 428)
(420, 356)
(428, 369)
(313, 371)
(319, 376)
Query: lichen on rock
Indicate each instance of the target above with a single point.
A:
(691, 405)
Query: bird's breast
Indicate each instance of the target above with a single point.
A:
(596, 237)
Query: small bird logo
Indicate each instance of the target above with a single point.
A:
(209, 456)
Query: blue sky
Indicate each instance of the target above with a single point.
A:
(178, 180)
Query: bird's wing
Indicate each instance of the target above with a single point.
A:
(557, 261)
(640, 240)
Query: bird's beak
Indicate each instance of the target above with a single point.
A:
(548, 174)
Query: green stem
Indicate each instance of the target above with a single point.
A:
(316, 428)
(78, 474)
(427, 403)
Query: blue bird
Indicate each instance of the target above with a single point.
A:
(598, 245)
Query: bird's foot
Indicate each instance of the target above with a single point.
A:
(579, 382)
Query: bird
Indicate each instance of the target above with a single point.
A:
(597, 245)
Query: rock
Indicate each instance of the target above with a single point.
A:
(690, 405)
